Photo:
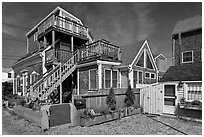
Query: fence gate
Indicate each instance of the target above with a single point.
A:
(59, 114)
(151, 99)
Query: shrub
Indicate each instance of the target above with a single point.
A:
(130, 97)
(88, 113)
(196, 102)
(111, 100)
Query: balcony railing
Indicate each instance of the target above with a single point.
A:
(59, 55)
(63, 24)
(100, 48)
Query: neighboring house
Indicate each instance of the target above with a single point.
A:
(184, 79)
(62, 58)
(7, 75)
(161, 62)
(138, 65)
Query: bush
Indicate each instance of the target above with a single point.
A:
(111, 100)
(130, 97)
(196, 102)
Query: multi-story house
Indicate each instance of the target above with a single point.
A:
(184, 78)
(161, 62)
(62, 57)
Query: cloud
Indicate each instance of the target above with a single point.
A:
(145, 24)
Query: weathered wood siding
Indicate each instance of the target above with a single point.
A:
(97, 100)
(189, 41)
(84, 78)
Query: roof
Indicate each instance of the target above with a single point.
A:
(130, 51)
(188, 24)
(6, 70)
(54, 11)
(161, 56)
(184, 72)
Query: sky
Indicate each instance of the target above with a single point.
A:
(120, 23)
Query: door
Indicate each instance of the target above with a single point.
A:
(169, 99)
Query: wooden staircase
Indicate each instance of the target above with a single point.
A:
(48, 84)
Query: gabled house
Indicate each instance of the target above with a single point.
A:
(62, 58)
(7, 75)
(184, 79)
(161, 62)
(138, 65)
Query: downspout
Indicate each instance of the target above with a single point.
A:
(179, 36)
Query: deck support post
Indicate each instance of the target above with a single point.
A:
(60, 83)
(72, 44)
(53, 38)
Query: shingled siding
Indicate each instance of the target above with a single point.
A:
(189, 41)
(84, 78)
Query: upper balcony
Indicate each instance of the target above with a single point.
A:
(64, 25)
(98, 50)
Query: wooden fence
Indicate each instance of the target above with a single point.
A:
(97, 99)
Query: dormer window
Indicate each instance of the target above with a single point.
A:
(187, 56)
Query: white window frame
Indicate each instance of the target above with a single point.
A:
(137, 80)
(187, 89)
(112, 78)
(105, 79)
(33, 73)
(191, 57)
(139, 77)
(149, 75)
(90, 80)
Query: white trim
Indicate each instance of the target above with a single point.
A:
(192, 58)
(86, 64)
(149, 75)
(99, 76)
(108, 62)
(160, 55)
(105, 78)
(142, 77)
(151, 56)
(112, 78)
(90, 79)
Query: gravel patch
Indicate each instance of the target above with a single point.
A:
(133, 125)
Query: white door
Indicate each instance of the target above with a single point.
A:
(169, 99)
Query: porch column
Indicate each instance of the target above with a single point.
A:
(99, 76)
(53, 38)
(72, 44)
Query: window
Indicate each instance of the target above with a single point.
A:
(194, 91)
(9, 75)
(141, 61)
(107, 78)
(114, 79)
(92, 79)
(148, 62)
(147, 75)
(187, 57)
(140, 77)
(152, 76)
(35, 37)
(135, 79)
(34, 77)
